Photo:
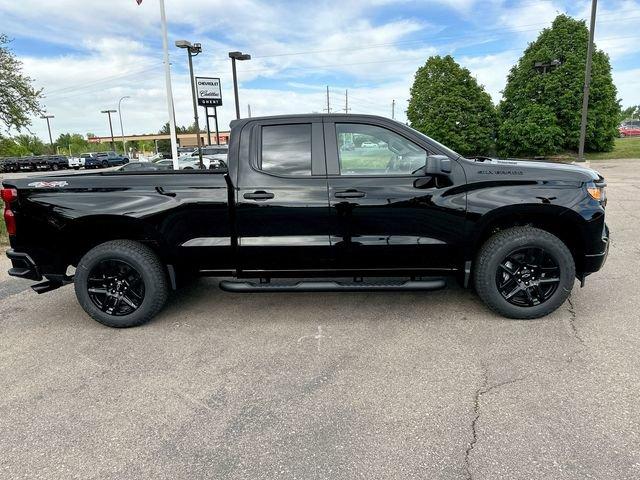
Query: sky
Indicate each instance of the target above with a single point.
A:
(86, 55)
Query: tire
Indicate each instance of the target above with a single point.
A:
(142, 260)
(105, 164)
(496, 262)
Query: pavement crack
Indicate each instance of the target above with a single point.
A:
(476, 415)
(480, 391)
(572, 321)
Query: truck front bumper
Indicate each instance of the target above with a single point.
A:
(594, 262)
(23, 266)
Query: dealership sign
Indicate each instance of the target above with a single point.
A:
(208, 91)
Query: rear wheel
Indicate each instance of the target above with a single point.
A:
(121, 283)
(524, 272)
(105, 164)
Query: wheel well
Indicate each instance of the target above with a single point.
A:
(566, 227)
(86, 233)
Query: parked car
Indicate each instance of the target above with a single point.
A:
(9, 164)
(53, 162)
(145, 166)
(630, 128)
(76, 162)
(293, 206)
(103, 159)
(369, 145)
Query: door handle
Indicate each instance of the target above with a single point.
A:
(350, 194)
(259, 195)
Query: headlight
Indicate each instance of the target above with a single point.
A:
(597, 191)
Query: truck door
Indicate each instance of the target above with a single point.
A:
(282, 207)
(385, 212)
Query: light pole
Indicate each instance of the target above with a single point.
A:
(192, 51)
(124, 143)
(47, 117)
(109, 112)
(237, 56)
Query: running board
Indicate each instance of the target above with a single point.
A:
(334, 286)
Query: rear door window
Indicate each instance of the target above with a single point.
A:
(286, 149)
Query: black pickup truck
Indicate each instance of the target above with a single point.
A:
(304, 206)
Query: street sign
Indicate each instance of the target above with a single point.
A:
(209, 92)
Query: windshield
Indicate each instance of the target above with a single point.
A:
(446, 150)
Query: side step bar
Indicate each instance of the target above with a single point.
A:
(334, 286)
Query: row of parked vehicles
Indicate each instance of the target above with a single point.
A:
(33, 163)
(213, 158)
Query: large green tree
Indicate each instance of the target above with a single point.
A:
(18, 98)
(541, 108)
(448, 104)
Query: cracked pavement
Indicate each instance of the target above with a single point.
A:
(332, 386)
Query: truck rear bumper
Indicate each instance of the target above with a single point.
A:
(23, 266)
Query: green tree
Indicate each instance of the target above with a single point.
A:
(9, 148)
(448, 104)
(630, 113)
(550, 75)
(18, 99)
(31, 144)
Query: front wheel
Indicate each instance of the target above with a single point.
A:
(121, 283)
(524, 273)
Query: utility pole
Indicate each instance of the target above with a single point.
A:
(328, 105)
(393, 109)
(109, 112)
(587, 81)
(47, 117)
(167, 79)
(249, 110)
(346, 101)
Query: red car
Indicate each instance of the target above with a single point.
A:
(630, 129)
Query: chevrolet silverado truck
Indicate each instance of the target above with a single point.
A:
(302, 207)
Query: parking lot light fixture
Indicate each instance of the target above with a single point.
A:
(109, 112)
(124, 143)
(193, 50)
(47, 117)
(237, 56)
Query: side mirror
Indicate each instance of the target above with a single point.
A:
(437, 165)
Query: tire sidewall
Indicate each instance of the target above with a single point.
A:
(554, 247)
(141, 314)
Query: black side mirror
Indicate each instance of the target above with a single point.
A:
(437, 165)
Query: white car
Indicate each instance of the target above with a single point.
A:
(369, 145)
(76, 162)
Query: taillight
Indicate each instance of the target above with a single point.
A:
(9, 195)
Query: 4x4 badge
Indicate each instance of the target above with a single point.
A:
(56, 184)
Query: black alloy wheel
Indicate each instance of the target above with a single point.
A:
(524, 272)
(115, 287)
(528, 277)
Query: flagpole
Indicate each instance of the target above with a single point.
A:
(167, 74)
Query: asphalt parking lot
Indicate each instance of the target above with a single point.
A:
(331, 386)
